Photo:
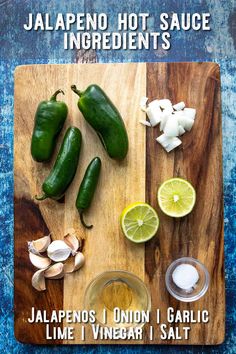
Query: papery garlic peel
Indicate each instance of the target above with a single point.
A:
(58, 251)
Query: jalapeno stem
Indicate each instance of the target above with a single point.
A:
(74, 88)
(42, 197)
(83, 222)
(54, 96)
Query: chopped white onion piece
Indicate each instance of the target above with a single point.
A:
(190, 112)
(181, 119)
(172, 127)
(163, 140)
(174, 120)
(145, 122)
(163, 121)
(165, 104)
(189, 124)
(179, 114)
(168, 143)
(154, 115)
(154, 104)
(179, 106)
(181, 130)
(143, 103)
(168, 111)
(185, 122)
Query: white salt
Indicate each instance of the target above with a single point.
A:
(185, 276)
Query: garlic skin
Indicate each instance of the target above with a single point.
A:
(58, 251)
(32, 249)
(40, 245)
(75, 263)
(38, 280)
(79, 261)
(56, 271)
(39, 262)
(72, 241)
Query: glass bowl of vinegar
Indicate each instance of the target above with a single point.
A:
(118, 296)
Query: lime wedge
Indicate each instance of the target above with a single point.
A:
(139, 222)
(176, 197)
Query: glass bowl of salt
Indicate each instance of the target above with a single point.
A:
(187, 279)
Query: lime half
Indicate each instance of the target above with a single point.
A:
(176, 197)
(139, 222)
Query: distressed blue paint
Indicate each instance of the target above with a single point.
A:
(19, 47)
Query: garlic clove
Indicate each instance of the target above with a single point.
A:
(56, 271)
(72, 241)
(39, 262)
(58, 251)
(32, 249)
(38, 280)
(79, 260)
(69, 265)
(75, 263)
(39, 245)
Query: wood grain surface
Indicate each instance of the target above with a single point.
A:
(135, 179)
(121, 183)
(199, 160)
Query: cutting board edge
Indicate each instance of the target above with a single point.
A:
(17, 70)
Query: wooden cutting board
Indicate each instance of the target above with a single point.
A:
(198, 159)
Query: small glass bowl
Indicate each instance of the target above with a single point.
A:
(93, 295)
(201, 286)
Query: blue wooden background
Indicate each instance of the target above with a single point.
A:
(20, 47)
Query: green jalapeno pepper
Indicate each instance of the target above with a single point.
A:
(49, 120)
(87, 188)
(64, 169)
(103, 116)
